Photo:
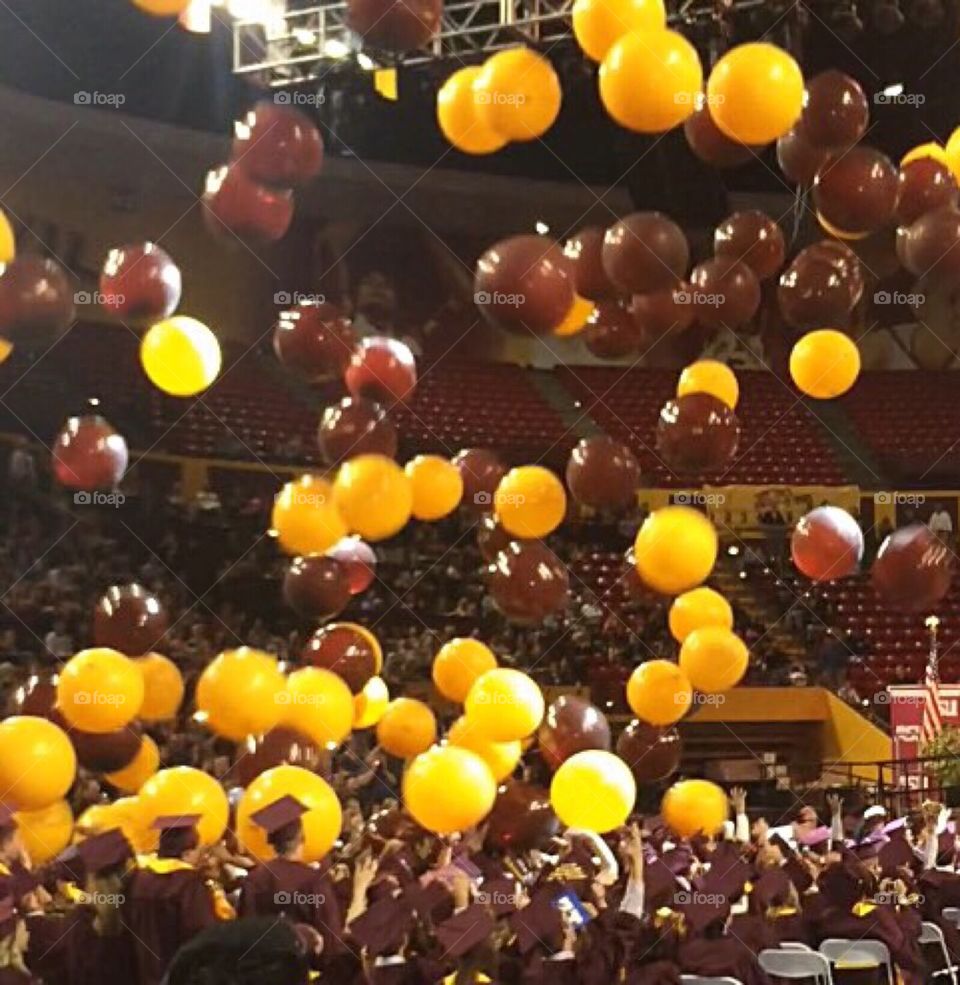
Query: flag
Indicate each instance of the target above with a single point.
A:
(932, 723)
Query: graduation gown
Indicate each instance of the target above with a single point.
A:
(720, 957)
(12, 976)
(303, 894)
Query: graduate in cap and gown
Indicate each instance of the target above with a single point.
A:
(707, 949)
(14, 938)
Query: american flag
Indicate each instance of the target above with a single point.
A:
(932, 724)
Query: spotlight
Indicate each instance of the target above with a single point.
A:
(541, 227)
(888, 17)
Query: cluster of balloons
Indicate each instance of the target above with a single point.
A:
(514, 96)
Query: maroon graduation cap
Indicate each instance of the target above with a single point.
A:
(104, 851)
(176, 822)
(281, 813)
(465, 930)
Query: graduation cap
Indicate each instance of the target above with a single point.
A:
(772, 888)
(869, 848)
(896, 828)
(841, 884)
(700, 916)
(798, 873)
(433, 902)
(659, 883)
(817, 840)
(104, 851)
(465, 930)
(382, 927)
(65, 867)
(677, 860)
(501, 895)
(281, 813)
(540, 922)
(895, 854)
(728, 875)
(176, 822)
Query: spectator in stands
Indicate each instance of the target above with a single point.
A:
(21, 468)
(59, 642)
(833, 656)
(941, 524)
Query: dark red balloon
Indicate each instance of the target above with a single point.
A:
(800, 160)
(356, 427)
(528, 582)
(660, 313)
(344, 651)
(697, 433)
(711, 145)
(37, 696)
(836, 113)
(395, 25)
(314, 340)
(645, 251)
(130, 619)
(277, 747)
(36, 301)
(89, 454)
(913, 569)
(603, 474)
(925, 184)
(826, 544)
(524, 284)
(856, 191)
(358, 560)
(316, 587)
(237, 207)
(584, 251)
(522, 818)
(277, 144)
(140, 283)
(481, 471)
(571, 725)
(382, 369)
(611, 331)
(753, 238)
(843, 259)
(930, 246)
(107, 752)
(726, 293)
(653, 754)
(491, 538)
(812, 294)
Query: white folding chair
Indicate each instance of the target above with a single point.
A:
(952, 915)
(707, 980)
(931, 934)
(795, 946)
(841, 951)
(796, 964)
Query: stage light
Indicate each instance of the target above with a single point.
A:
(365, 61)
(541, 227)
(893, 90)
(334, 48)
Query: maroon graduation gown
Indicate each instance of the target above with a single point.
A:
(11, 976)
(295, 890)
(720, 957)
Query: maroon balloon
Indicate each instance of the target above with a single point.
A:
(603, 474)
(344, 651)
(314, 340)
(382, 369)
(812, 294)
(856, 191)
(925, 184)
(844, 261)
(356, 427)
(140, 283)
(491, 538)
(237, 207)
(726, 293)
(528, 582)
(89, 454)
(611, 331)
(524, 284)
(36, 301)
(358, 560)
(913, 569)
(930, 247)
(660, 313)
(653, 754)
(130, 619)
(697, 433)
(836, 113)
(800, 160)
(37, 696)
(522, 818)
(878, 253)
(481, 471)
(316, 587)
(395, 25)
(571, 725)
(713, 146)
(277, 747)
(584, 251)
(278, 145)
(107, 752)
(753, 238)
(827, 543)
(645, 251)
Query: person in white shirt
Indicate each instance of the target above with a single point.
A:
(940, 523)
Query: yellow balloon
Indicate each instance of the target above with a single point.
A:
(100, 690)
(458, 118)
(755, 93)
(181, 791)
(696, 609)
(952, 149)
(370, 704)
(6, 348)
(458, 664)
(659, 692)
(8, 247)
(713, 377)
(407, 728)
(714, 659)
(448, 789)
(318, 704)
(504, 705)
(162, 688)
(929, 149)
(180, 356)
(127, 813)
(517, 94)
(374, 496)
(650, 80)
(675, 549)
(306, 518)
(46, 832)
(501, 757)
(597, 24)
(593, 790)
(693, 807)
(136, 773)
(436, 486)
(530, 502)
(835, 231)
(824, 364)
(162, 8)
(241, 693)
(321, 822)
(576, 319)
